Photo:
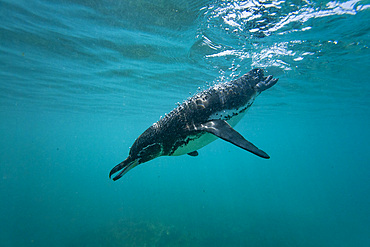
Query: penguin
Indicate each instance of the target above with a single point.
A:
(200, 120)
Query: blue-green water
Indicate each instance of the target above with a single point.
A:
(81, 80)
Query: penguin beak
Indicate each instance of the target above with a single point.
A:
(124, 166)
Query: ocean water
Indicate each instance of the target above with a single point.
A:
(81, 80)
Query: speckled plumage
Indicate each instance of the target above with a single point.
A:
(200, 120)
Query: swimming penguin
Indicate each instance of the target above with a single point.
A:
(201, 119)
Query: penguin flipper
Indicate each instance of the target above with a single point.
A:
(223, 130)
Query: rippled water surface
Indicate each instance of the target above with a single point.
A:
(81, 80)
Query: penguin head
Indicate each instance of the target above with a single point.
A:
(143, 151)
(145, 148)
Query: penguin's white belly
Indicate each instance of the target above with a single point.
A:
(195, 143)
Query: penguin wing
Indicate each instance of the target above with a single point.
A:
(223, 130)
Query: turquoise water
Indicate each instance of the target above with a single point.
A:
(81, 80)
